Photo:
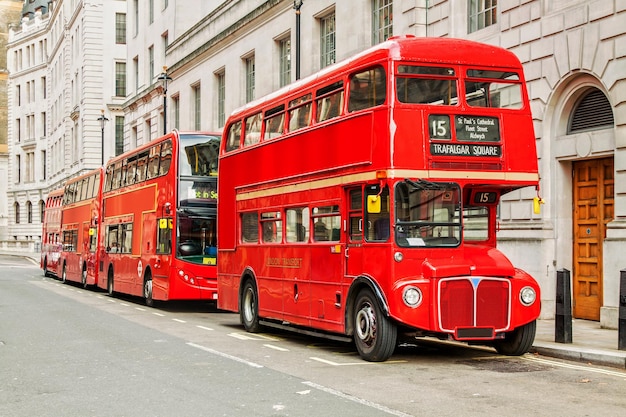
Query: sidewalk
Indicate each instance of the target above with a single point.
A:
(590, 344)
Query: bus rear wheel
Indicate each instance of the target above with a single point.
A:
(374, 335)
(110, 282)
(249, 307)
(517, 342)
(147, 291)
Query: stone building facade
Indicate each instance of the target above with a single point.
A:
(62, 62)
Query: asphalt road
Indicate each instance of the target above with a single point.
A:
(66, 351)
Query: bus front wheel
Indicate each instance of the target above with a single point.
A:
(517, 342)
(374, 335)
(249, 308)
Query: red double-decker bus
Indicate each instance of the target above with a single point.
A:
(51, 234)
(80, 227)
(159, 237)
(362, 200)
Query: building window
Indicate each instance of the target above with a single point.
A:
(29, 170)
(250, 78)
(18, 168)
(221, 98)
(42, 209)
(327, 41)
(165, 4)
(29, 212)
(16, 208)
(151, 63)
(382, 20)
(18, 95)
(481, 13)
(197, 109)
(176, 111)
(43, 164)
(150, 11)
(165, 43)
(119, 135)
(285, 61)
(120, 28)
(136, 71)
(120, 79)
(136, 10)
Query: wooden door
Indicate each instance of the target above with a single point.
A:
(593, 209)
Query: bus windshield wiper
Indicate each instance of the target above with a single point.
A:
(422, 184)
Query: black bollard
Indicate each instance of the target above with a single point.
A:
(563, 317)
(621, 324)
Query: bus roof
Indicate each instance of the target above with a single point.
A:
(405, 47)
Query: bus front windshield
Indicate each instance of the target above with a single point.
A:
(427, 214)
(197, 198)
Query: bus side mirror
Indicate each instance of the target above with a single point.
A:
(373, 204)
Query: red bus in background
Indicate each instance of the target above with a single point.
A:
(80, 227)
(51, 234)
(362, 200)
(159, 237)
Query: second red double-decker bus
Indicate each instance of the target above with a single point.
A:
(362, 200)
(80, 226)
(51, 245)
(159, 237)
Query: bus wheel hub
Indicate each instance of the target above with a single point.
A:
(366, 324)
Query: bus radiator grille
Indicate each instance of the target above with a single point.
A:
(474, 303)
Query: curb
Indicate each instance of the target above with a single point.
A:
(573, 353)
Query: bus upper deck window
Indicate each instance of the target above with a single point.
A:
(490, 88)
(253, 130)
(367, 89)
(426, 85)
(233, 139)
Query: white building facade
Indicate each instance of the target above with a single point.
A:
(62, 61)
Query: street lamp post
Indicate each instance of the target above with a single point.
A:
(297, 4)
(102, 119)
(164, 79)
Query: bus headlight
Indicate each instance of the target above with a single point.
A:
(398, 256)
(527, 296)
(412, 296)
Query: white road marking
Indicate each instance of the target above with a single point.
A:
(576, 367)
(357, 400)
(204, 328)
(179, 320)
(225, 355)
(158, 314)
(360, 363)
(276, 347)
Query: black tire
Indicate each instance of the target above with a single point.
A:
(83, 277)
(110, 282)
(375, 335)
(249, 307)
(517, 342)
(64, 275)
(147, 290)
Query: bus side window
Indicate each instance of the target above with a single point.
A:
(271, 223)
(131, 171)
(233, 139)
(367, 89)
(153, 161)
(249, 227)
(297, 224)
(166, 157)
(356, 215)
(274, 122)
(142, 163)
(326, 223)
(300, 112)
(253, 130)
